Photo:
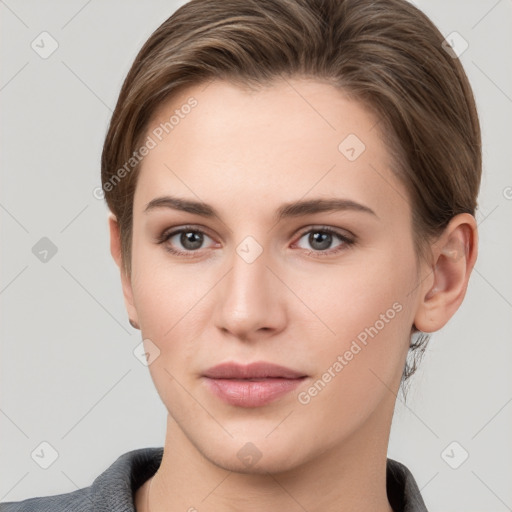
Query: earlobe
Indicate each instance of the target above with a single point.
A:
(454, 256)
(115, 250)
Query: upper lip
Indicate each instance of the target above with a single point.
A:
(261, 369)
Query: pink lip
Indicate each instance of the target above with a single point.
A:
(252, 385)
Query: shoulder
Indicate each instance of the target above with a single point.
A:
(111, 491)
(403, 491)
(79, 500)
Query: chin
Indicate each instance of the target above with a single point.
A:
(255, 455)
(272, 464)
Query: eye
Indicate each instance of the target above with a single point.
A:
(188, 240)
(320, 241)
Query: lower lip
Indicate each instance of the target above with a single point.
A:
(251, 393)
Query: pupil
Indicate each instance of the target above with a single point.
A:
(324, 240)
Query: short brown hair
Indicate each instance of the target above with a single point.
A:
(386, 54)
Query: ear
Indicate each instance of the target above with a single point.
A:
(115, 250)
(454, 256)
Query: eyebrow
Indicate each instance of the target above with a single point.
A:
(287, 210)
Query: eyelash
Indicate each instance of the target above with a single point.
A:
(347, 242)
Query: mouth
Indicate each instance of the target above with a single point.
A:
(252, 385)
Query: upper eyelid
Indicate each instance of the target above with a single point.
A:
(344, 233)
(167, 233)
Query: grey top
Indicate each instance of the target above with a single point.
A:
(114, 489)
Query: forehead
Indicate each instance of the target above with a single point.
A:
(218, 141)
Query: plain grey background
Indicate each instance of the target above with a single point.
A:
(68, 373)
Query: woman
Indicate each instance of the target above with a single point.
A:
(293, 187)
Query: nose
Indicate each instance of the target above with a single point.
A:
(250, 299)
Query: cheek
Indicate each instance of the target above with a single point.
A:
(168, 305)
(164, 292)
(348, 298)
(174, 307)
(366, 311)
(360, 367)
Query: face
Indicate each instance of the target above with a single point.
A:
(326, 289)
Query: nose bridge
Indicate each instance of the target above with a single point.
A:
(248, 297)
(248, 279)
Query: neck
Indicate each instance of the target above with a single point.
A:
(348, 477)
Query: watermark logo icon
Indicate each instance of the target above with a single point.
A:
(44, 250)
(455, 45)
(146, 352)
(351, 147)
(44, 455)
(249, 454)
(44, 45)
(249, 249)
(454, 455)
